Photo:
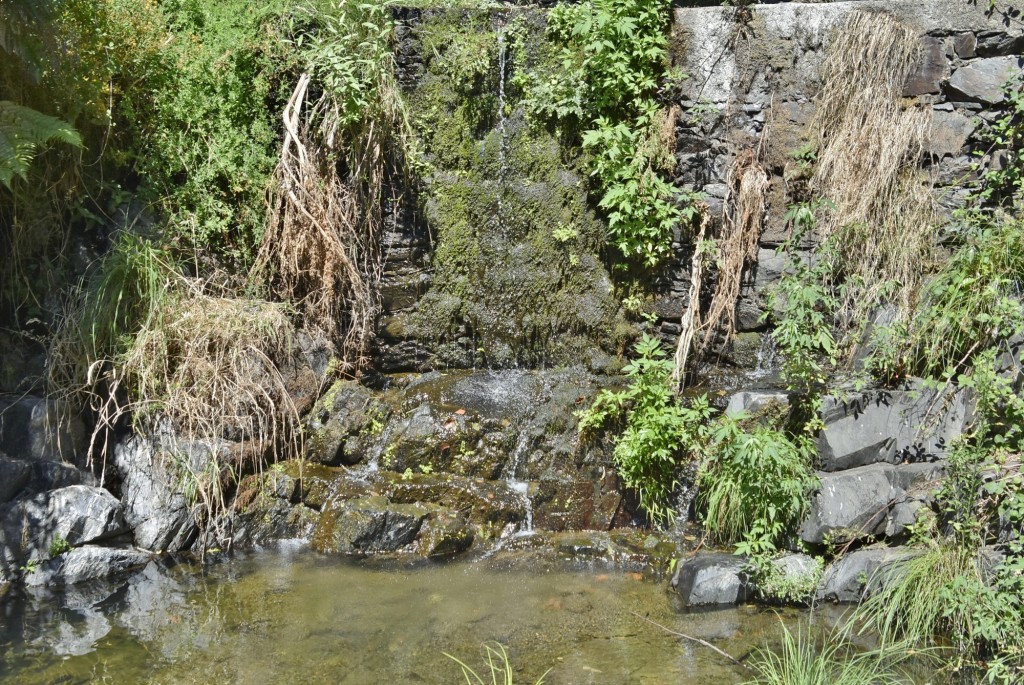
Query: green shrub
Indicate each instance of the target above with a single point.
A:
(660, 433)
(753, 486)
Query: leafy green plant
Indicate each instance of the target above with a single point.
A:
(775, 585)
(499, 668)
(802, 308)
(660, 432)
(613, 55)
(58, 546)
(753, 486)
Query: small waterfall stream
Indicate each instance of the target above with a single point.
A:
(502, 69)
(509, 475)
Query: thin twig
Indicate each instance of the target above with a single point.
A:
(692, 639)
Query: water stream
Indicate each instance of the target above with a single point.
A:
(502, 68)
(289, 616)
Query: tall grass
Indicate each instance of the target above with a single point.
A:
(911, 603)
(801, 660)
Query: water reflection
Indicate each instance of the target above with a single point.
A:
(292, 617)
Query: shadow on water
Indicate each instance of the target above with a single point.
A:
(289, 616)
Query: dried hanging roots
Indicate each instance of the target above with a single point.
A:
(742, 222)
(881, 224)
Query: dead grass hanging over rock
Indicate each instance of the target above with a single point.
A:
(321, 245)
(879, 231)
(348, 144)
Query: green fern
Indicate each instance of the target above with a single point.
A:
(22, 130)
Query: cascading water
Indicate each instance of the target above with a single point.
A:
(509, 475)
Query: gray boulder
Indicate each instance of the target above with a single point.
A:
(155, 507)
(85, 563)
(861, 573)
(890, 427)
(37, 428)
(712, 578)
(877, 499)
(982, 80)
(78, 515)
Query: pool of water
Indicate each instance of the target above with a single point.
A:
(290, 616)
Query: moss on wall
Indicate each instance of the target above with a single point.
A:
(518, 274)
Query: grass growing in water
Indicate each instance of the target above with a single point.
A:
(800, 660)
(498, 665)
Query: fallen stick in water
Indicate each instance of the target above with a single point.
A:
(691, 639)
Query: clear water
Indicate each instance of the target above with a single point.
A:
(289, 616)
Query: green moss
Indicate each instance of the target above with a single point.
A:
(518, 274)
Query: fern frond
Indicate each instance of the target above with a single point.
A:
(22, 130)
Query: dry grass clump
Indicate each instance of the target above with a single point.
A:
(321, 248)
(179, 358)
(882, 220)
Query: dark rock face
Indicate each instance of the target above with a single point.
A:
(367, 525)
(889, 427)
(860, 573)
(77, 514)
(711, 579)
(14, 474)
(155, 507)
(36, 428)
(84, 564)
(931, 70)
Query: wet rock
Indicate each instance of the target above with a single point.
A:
(712, 578)
(85, 563)
(155, 507)
(860, 573)
(889, 426)
(445, 535)
(368, 525)
(483, 502)
(14, 474)
(77, 515)
(37, 428)
(752, 402)
(982, 80)
(268, 520)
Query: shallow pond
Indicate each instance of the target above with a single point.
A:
(290, 616)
